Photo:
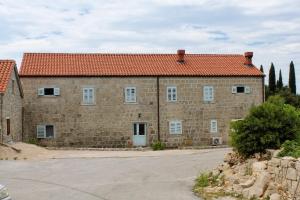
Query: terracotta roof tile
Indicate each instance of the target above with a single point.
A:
(6, 68)
(67, 64)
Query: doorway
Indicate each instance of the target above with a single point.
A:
(139, 134)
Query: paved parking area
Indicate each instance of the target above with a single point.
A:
(125, 175)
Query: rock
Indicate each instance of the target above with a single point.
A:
(248, 183)
(227, 158)
(260, 185)
(275, 196)
(298, 165)
(215, 172)
(226, 198)
(237, 188)
(270, 190)
(258, 167)
(275, 162)
(291, 174)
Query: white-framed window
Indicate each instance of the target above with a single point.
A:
(130, 94)
(171, 93)
(45, 131)
(240, 89)
(208, 93)
(175, 127)
(88, 95)
(49, 91)
(213, 126)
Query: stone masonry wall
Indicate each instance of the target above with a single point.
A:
(286, 172)
(12, 109)
(109, 123)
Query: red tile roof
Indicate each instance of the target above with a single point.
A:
(6, 69)
(67, 64)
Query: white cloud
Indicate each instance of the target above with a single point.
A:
(270, 28)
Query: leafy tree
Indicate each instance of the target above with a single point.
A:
(272, 79)
(267, 126)
(280, 83)
(261, 68)
(292, 78)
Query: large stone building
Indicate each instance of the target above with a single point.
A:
(121, 100)
(11, 97)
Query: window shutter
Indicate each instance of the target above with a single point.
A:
(41, 91)
(234, 90)
(56, 91)
(41, 131)
(247, 89)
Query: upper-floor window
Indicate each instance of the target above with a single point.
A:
(49, 91)
(172, 93)
(88, 96)
(241, 89)
(175, 127)
(45, 131)
(130, 94)
(213, 126)
(208, 93)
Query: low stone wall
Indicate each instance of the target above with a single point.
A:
(286, 172)
(264, 176)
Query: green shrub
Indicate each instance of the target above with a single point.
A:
(158, 145)
(202, 180)
(290, 148)
(267, 126)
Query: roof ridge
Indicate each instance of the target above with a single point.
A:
(7, 60)
(126, 54)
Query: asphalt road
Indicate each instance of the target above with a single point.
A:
(166, 175)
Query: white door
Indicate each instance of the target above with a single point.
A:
(139, 134)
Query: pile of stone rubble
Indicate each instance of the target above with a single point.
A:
(265, 176)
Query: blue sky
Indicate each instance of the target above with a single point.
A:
(269, 28)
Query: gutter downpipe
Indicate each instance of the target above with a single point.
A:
(158, 109)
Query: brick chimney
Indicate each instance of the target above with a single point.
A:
(248, 58)
(180, 55)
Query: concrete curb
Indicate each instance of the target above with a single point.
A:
(135, 149)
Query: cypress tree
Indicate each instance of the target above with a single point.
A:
(292, 78)
(272, 79)
(280, 83)
(261, 68)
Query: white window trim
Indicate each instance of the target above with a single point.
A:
(44, 130)
(171, 87)
(247, 89)
(125, 95)
(93, 99)
(205, 98)
(213, 129)
(176, 131)
(56, 91)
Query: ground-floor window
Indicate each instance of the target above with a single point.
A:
(45, 131)
(213, 126)
(175, 127)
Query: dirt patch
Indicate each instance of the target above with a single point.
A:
(23, 151)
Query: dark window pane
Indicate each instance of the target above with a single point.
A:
(49, 131)
(49, 91)
(142, 129)
(240, 89)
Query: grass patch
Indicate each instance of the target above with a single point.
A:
(290, 148)
(158, 145)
